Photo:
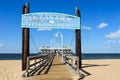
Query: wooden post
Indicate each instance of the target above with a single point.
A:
(23, 11)
(25, 40)
(78, 41)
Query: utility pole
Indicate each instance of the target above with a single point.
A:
(25, 39)
(78, 40)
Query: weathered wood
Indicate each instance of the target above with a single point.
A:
(39, 65)
(70, 59)
(45, 65)
(78, 41)
(37, 57)
(38, 62)
(23, 31)
(39, 68)
(50, 64)
(74, 66)
(57, 71)
(25, 40)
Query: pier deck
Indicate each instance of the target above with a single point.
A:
(57, 71)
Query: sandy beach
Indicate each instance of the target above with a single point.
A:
(108, 69)
(10, 70)
(94, 69)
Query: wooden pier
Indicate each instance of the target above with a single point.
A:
(57, 71)
(49, 67)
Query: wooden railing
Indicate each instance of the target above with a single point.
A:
(36, 64)
(73, 63)
(65, 54)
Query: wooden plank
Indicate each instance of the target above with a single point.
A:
(74, 66)
(45, 61)
(37, 57)
(49, 61)
(38, 61)
(37, 68)
(72, 57)
(58, 71)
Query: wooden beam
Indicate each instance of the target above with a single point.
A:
(25, 40)
(78, 41)
(23, 11)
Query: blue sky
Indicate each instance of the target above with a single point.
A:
(100, 24)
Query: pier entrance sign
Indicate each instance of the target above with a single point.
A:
(45, 20)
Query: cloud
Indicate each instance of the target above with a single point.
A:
(102, 25)
(1, 44)
(113, 34)
(41, 29)
(111, 41)
(86, 27)
(119, 41)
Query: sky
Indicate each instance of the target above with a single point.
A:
(100, 25)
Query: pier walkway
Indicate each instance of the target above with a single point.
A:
(57, 71)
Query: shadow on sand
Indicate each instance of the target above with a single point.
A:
(86, 73)
(93, 65)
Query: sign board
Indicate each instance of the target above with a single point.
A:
(49, 20)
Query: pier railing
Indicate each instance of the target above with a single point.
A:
(73, 63)
(36, 64)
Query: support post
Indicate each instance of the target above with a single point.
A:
(78, 40)
(25, 40)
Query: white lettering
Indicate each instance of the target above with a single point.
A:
(50, 20)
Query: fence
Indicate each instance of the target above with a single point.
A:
(36, 64)
(73, 63)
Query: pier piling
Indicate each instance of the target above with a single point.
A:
(25, 39)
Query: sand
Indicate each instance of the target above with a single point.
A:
(10, 70)
(97, 69)
(102, 69)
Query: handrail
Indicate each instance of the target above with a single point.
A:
(73, 63)
(37, 62)
(40, 61)
(36, 57)
(33, 71)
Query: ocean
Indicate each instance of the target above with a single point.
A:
(84, 56)
(15, 56)
(101, 56)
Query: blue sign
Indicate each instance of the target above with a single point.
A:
(49, 20)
